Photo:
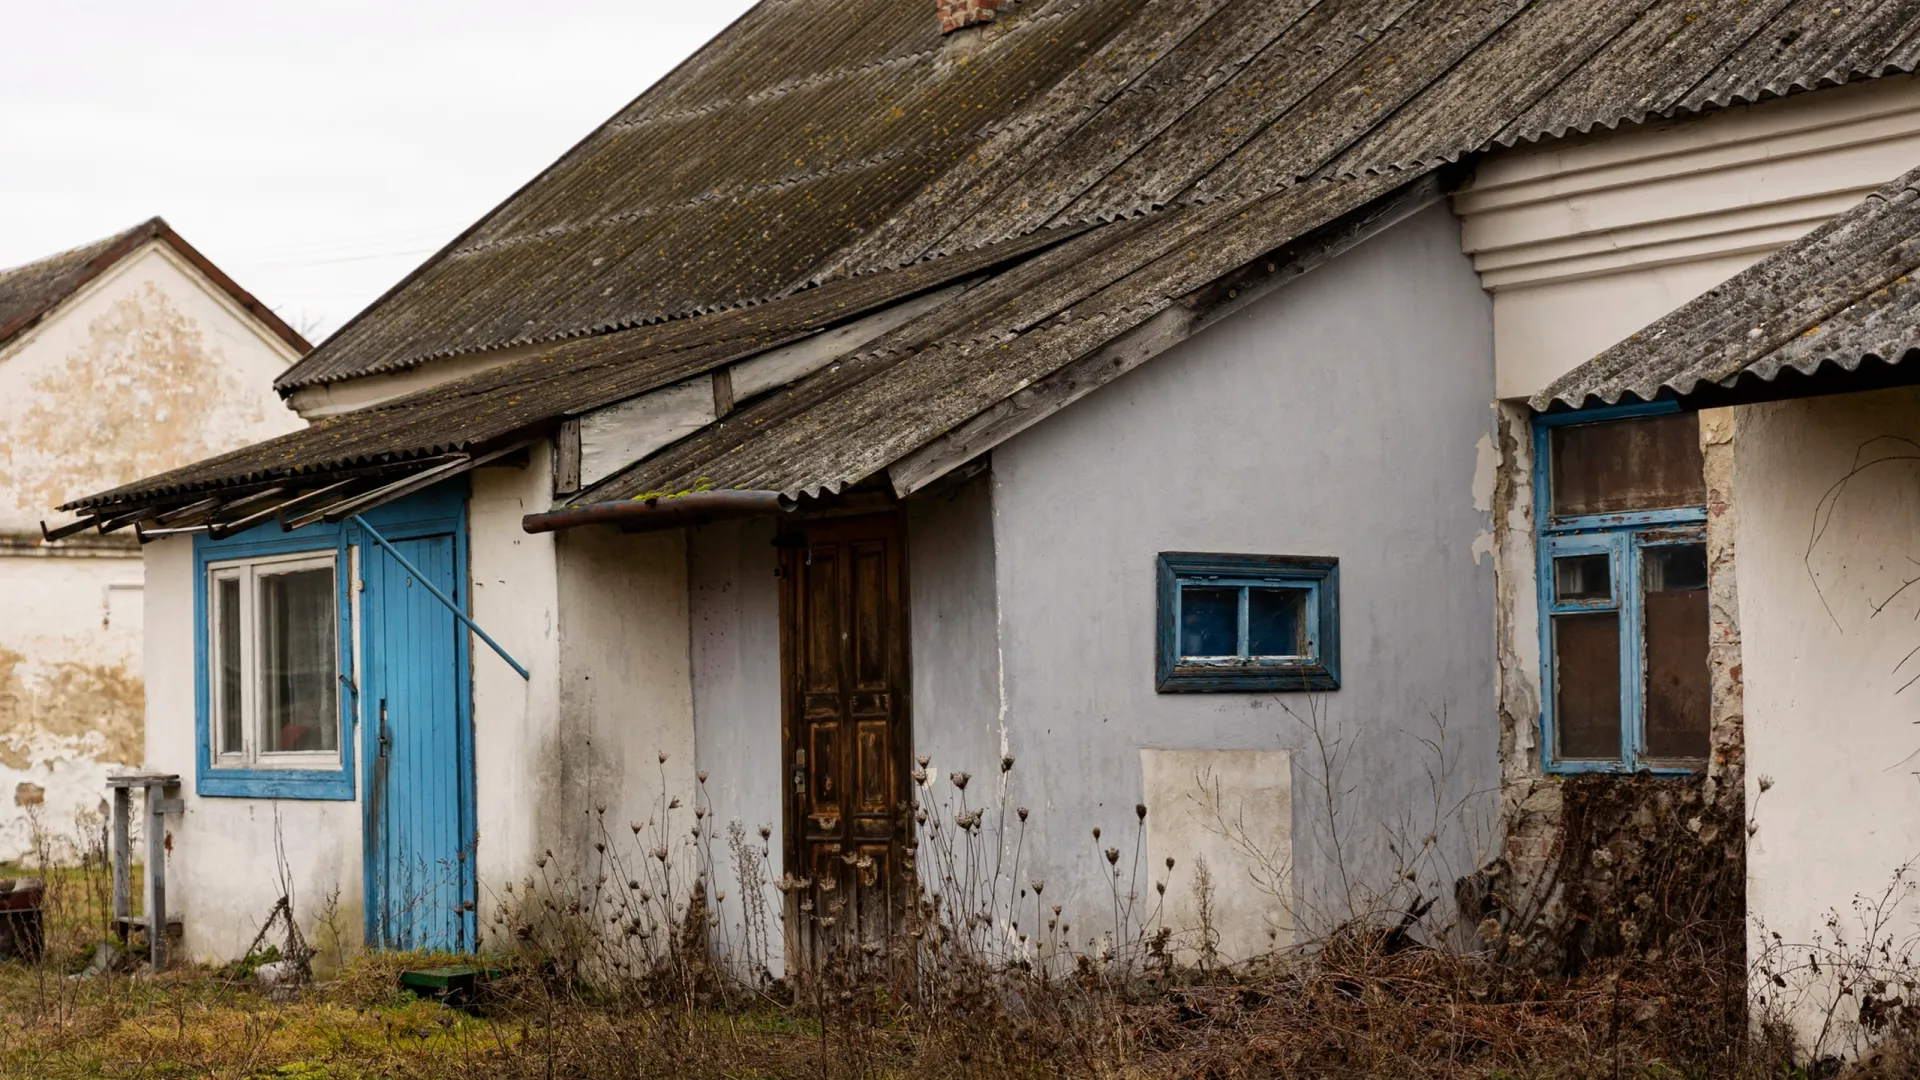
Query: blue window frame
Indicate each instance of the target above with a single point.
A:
(1248, 623)
(275, 649)
(1620, 506)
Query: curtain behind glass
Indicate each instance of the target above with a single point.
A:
(298, 675)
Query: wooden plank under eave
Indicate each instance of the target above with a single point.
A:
(566, 457)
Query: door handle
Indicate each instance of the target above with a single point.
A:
(386, 734)
(799, 772)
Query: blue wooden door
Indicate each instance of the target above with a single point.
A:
(419, 833)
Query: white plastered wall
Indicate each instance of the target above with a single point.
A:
(734, 612)
(222, 880)
(515, 597)
(624, 751)
(571, 757)
(1828, 632)
(149, 367)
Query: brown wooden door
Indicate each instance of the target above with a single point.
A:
(845, 725)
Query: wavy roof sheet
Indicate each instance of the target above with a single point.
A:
(1836, 298)
(817, 138)
(835, 147)
(508, 401)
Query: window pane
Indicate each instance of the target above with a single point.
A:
(1209, 622)
(1274, 621)
(226, 652)
(1648, 463)
(1674, 610)
(297, 641)
(1578, 578)
(1586, 686)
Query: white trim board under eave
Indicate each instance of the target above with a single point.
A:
(619, 435)
(1584, 240)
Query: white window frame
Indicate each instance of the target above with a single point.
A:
(248, 572)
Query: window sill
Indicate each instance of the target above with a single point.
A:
(331, 784)
(1617, 768)
(1247, 678)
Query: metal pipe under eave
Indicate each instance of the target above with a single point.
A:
(652, 515)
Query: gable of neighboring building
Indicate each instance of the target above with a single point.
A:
(128, 356)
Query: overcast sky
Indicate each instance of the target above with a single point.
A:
(316, 151)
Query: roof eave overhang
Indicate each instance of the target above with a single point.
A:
(1748, 387)
(659, 514)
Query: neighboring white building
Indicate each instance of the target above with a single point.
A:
(125, 356)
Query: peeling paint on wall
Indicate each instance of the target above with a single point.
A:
(64, 727)
(147, 369)
(135, 400)
(94, 703)
(1550, 889)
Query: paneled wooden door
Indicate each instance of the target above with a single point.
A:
(419, 821)
(845, 725)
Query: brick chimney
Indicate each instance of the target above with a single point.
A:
(960, 14)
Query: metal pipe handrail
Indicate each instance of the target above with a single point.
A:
(374, 535)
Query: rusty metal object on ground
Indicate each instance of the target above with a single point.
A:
(22, 930)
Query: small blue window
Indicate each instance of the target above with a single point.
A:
(1248, 623)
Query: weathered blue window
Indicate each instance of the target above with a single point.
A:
(1620, 497)
(275, 638)
(1248, 622)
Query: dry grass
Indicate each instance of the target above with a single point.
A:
(618, 969)
(1413, 1015)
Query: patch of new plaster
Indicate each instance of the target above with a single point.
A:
(1233, 811)
(137, 399)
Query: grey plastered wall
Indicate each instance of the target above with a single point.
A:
(734, 610)
(1338, 417)
(954, 627)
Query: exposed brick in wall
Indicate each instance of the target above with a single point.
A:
(1543, 893)
(1723, 599)
(960, 14)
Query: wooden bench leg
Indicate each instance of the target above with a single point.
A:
(156, 877)
(122, 864)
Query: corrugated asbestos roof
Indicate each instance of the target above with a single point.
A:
(816, 137)
(571, 378)
(1838, 297)
(825, 145)
(29, 292)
